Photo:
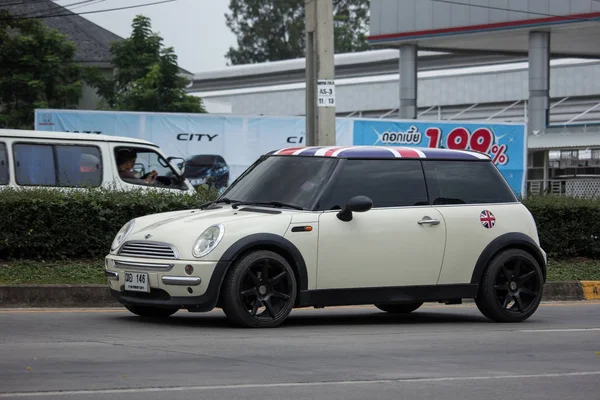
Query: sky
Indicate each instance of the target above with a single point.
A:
(196, 29)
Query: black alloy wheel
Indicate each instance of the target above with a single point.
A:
(259, 290)
(511, 287)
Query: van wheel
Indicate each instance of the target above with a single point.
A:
(399, 308)
(259, 290)
(511, 287)
(152, 312)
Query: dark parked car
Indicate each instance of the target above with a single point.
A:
(210, 169)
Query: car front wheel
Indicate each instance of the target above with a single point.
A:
(259, 290)
(511, 287)
(152, 312)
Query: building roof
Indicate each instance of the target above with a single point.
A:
(92, 41)
(551, 141)
(29, 134)
(380, 152)
(347, 65)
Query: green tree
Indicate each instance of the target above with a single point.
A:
(273, 30)
(37, 70)
(147, 76)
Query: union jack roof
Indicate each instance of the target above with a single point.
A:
(379, 152)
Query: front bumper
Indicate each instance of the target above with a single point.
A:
(169, 285)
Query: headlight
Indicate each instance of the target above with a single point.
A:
(209, 239)
(122, 235)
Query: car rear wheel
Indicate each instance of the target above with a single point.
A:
(152, 312)
(511, 287)
(259, 290)
(399, 308)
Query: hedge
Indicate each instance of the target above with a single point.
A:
(50, 224)
(568, 227)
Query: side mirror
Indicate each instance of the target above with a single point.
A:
(180, 164)
(355, 204)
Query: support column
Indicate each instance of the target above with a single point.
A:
(408, 81)
(539, 81)
(546, 169)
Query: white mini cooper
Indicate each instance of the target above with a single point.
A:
(328, 226)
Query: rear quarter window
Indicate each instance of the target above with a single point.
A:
(466, 182)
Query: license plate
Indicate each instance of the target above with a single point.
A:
(137, 282)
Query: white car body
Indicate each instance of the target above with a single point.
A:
(96, 152)
(383, 255)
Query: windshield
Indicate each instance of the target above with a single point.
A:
(286, 179)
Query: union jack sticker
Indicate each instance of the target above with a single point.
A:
(487, 219)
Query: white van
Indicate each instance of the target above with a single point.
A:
(72, 160)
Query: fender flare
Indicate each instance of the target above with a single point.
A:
(258, 240)
(508, 240)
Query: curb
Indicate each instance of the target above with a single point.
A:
(49, 296)
(98, 296)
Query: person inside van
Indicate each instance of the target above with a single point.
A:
(126, 161)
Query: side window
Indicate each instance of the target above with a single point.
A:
(34, 164)
(389, 183)
(466, 182)
(3, 165)
(142, 166)
(79, 166)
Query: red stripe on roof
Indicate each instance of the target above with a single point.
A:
(330, 152)
(408, 153)
(289, 151)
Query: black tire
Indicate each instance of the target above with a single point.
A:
(259, 279)
(511, 287)
(399, 308)
(152, 312)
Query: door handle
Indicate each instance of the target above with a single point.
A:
(428, 221)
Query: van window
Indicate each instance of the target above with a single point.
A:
(79, 166)
(34, 164)
(389, 183)
(466, 182)
(57, 165)
(3, 165)
(135, 165)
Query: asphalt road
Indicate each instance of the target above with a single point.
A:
(439, 352)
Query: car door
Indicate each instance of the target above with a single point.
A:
(399, 242)
(477, 205)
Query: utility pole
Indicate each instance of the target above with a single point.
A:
(320, 73)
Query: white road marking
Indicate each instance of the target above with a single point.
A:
(559, 330)
(291, 384)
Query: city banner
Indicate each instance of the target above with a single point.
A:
(214, 146)
(506, 144)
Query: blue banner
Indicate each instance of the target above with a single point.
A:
(213, 145)
(505, 143)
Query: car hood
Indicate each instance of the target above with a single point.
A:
(182, 228)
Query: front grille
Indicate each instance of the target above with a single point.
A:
(148, 250)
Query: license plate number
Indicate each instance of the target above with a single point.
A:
(137, 282)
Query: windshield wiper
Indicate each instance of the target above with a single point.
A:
(223, 200)
(236, 204)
